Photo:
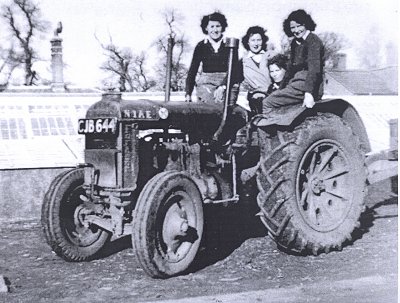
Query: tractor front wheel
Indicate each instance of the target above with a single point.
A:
(62, 219)
(167, 224)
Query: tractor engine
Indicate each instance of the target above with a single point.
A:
(128, 142)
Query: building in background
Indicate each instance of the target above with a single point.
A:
(344, 82)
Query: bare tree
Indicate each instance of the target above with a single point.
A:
(179, 46)
(126, 66)
(139, 73)
(333, 43)
(117, 64)
(9, 60)
(25, 22)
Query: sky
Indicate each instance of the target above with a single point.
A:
(137, 23)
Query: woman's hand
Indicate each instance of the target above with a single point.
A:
(258, 95)
(308, 100)
(188, 98)
(219, 93)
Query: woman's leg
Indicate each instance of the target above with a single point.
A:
(283, 97)
(293, 93)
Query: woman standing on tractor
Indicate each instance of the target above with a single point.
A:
(305, 71)
(213, 55)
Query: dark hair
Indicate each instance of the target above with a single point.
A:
(301, 17)
(252, 31)
(216, 16)
(279, 60)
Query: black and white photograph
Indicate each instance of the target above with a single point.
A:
(210, 151)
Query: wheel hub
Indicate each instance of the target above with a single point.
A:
(175, 229)
(317, 186)
(79, 216)
(175, 225)
(77, 227)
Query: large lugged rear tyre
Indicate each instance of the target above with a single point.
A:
(167, 224)
(312, 184)
(61, 222)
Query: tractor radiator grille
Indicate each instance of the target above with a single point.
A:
(130, 162)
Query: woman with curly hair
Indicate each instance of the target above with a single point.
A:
(277, 67)
(213, 55)
(305, 72)
(255, 69)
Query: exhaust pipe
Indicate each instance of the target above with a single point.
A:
(232, 44)
(168, 69)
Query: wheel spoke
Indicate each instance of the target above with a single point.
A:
(336, 195)
(334, 203)
(313, 161)
(326, 159)
(304, 195)
(335, 174)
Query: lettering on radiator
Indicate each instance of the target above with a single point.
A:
(137, 114)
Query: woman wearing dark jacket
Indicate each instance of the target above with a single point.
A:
(305, 72)
(212, 54)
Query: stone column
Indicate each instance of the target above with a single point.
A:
(57, 84)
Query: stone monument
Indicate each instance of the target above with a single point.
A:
(57, 67)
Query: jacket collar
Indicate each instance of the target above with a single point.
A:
(307, 33)
(251, 54)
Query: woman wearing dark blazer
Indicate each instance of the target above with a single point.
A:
(212, 55)
(305, 72)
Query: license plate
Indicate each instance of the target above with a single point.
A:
(97, 126)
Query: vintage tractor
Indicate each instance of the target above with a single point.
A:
(151, 166)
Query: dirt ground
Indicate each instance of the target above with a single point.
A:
(237, 256)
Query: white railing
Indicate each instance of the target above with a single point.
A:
(40, 130)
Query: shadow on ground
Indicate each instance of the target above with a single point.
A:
(370, 215)
(115, 246)
(381, 194)
(226, 229)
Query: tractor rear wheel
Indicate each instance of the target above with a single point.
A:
(312, 184)
(167, 224)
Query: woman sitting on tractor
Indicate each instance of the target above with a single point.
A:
(305, 71)
(255, 68)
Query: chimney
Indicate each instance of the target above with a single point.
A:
(57, 84)
(339, 61)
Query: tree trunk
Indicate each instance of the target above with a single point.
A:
(28, 69)
(122, 87)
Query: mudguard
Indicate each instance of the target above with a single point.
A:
(287, 115)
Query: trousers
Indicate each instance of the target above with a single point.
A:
(293, 93)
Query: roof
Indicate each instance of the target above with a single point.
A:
(368, 82)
